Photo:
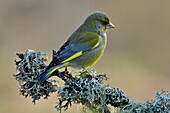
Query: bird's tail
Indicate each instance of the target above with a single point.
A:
(43, 76)
(47, 73)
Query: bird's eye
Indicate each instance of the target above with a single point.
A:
(105, 22)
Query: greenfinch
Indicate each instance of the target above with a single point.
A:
(83, 48)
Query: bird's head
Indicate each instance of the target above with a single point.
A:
(99, 21)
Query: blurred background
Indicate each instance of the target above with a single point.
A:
(137, 57)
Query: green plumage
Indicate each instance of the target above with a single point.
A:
(84, 47)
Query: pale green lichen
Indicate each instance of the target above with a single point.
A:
(30, 65)
(87, 88)
(160, 105)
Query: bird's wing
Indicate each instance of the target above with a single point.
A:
(75, 48)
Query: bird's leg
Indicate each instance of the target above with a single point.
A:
(66, 70)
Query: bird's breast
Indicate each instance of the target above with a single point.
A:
(91, 57)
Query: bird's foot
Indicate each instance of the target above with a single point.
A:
(66, 71)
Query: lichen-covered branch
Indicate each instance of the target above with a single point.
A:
(30, 65)
(160, 105)
(86, 88)
(89, 90)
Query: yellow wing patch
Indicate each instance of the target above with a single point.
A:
(73, 56)
(95, 45)
(52, 71)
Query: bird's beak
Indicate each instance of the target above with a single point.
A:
(110, 25)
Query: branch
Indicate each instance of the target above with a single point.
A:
(86, 88)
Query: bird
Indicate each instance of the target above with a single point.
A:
(83, 48)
